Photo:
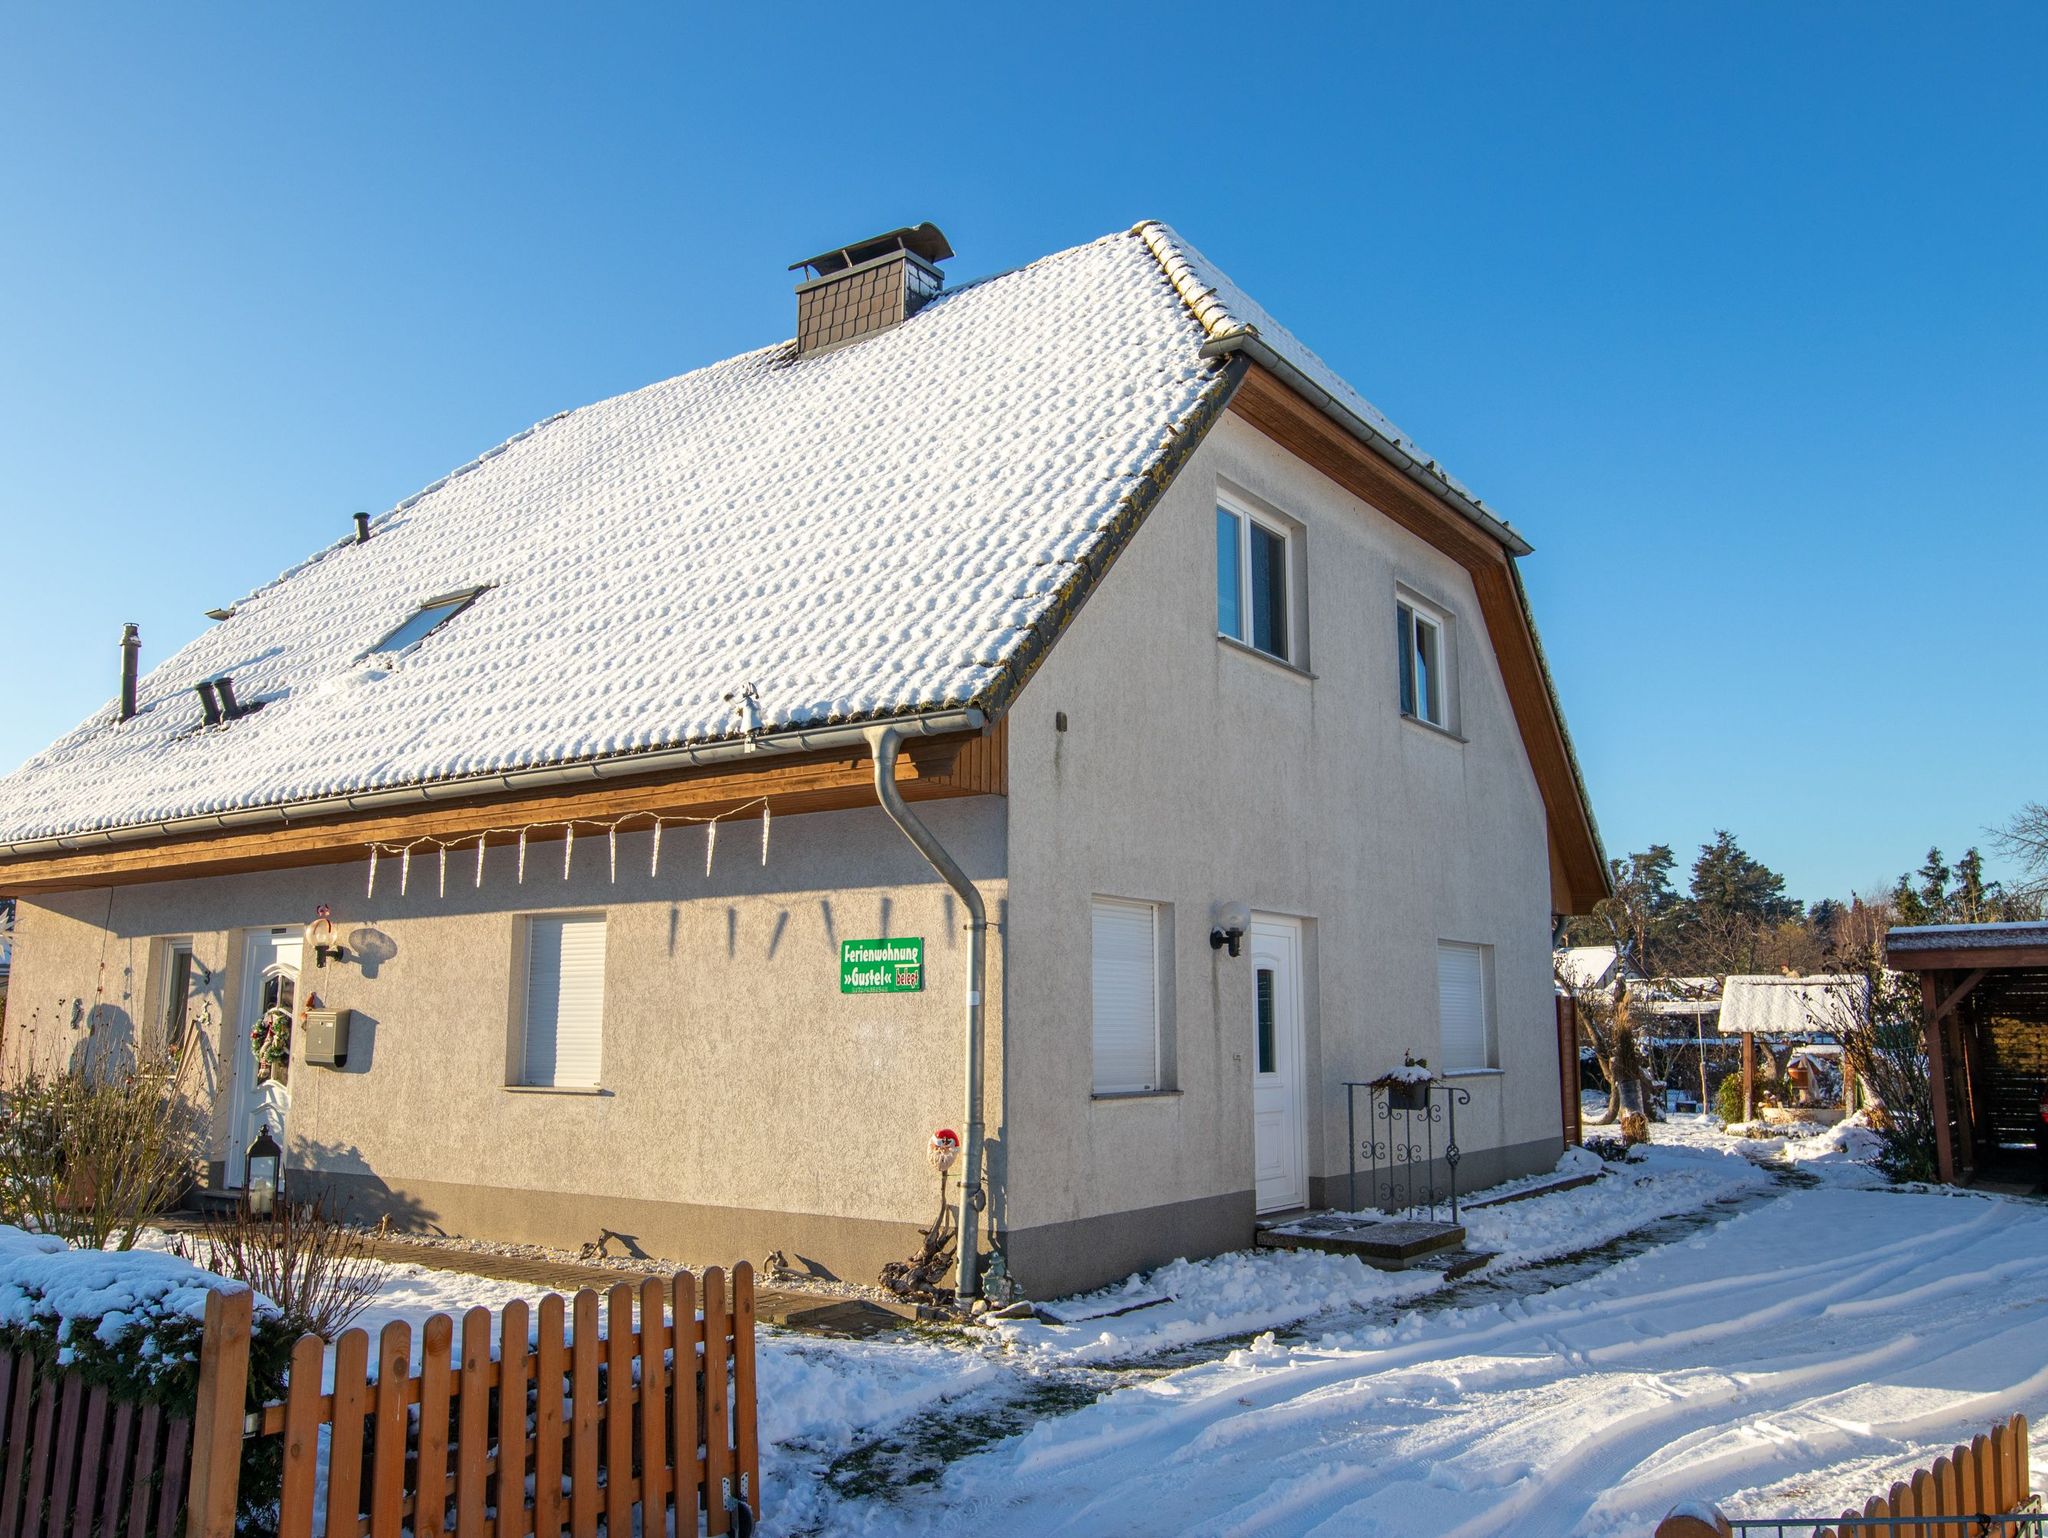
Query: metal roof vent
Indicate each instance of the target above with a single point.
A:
(869, 286)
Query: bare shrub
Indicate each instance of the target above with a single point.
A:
(318, 1272)
(92, 1149)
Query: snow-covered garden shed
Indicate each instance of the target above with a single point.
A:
(518, 856)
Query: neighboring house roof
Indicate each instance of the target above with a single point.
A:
(891, 528)
(1788, 1006)
(1586, 966)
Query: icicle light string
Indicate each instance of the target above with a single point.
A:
(611, 830)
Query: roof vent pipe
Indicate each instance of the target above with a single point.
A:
(209, 703)
(131, 664)
(362, 528)
(229, 707)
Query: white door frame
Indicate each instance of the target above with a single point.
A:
(1279, 939)
(270, 950)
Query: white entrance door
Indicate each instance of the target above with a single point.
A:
(270, 981)
(1279, 1072)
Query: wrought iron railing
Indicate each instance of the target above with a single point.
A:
(1410, 1130)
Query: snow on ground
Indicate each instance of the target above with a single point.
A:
(1842, 1154)
(1251, 1290)
(1794, 1358)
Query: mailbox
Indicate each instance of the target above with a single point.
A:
(327, 1038)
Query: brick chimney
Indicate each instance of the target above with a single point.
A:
(866, 287)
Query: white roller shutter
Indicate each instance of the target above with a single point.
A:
(564, 1000)
(1461, 997)
(1126, 997)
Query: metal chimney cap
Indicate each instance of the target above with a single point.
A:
(925, 241)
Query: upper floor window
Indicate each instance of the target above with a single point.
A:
(427, 618)
(1255, 582)
(1424, 688)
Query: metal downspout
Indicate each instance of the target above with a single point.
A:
(884, 741)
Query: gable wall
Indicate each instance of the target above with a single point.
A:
(1193, 773)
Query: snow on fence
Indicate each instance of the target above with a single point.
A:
(507, 1426)
(1963, 1495)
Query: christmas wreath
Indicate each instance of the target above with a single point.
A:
(271, 1038)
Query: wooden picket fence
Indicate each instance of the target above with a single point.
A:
(646, 1406)
(1986, 1480)
(75, 1463)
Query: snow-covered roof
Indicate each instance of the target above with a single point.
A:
(1585, 966)
(1958, 937)
(890, 528)
(1788, 1006)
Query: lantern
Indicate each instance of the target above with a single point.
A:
(320, 935)
(943, 1149)
(265, 1165)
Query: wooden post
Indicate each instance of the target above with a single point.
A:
(1937, 1080)
(1749, 1075)
(1568, 1068)
(1695, 1521)
(217, 1417)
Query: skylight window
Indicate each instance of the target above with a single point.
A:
(425, 620)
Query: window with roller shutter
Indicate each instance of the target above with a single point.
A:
(1126, 990)
(1461, 1000)
(564, 1001)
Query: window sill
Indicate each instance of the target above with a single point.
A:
(1473, 1073)
(1244, 648)
(554, 1089)
(1433, 729)
(1135, 1094)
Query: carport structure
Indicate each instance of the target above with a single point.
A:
(1984, 994)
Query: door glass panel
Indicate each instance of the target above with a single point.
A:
(1267, 1057)
(1229, 577)
(1269, 591)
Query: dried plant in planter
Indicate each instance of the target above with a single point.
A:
(319, 1272)
(92, 1149)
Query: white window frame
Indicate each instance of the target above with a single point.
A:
(1290, 629)
(1152, 1082)
(1489, 1050)
(522, 1075)
(1410, 614)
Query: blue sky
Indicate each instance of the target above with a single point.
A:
(1737, 311)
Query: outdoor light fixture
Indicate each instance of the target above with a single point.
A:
(320, 935)
(265, 1162)
(1232, 920)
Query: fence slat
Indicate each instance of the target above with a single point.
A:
(64, 1466)
(472, 1423)
(170, 1503)
(584, 1352)
(745, 1427)
(654, 1479)
(548, 1367)
(8, 1366)
(513, 1367)
(390, 1430)
(430, 1503)
(216, 1425)
(39, 1456)
(345, 1441)
(618, 1409)
(92, 1449)
(717, 1366)
(17, 1447)
(683, 1403)
(301, 1438)
(121, 1458)
(147, 1471)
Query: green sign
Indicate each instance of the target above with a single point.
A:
(881, 966)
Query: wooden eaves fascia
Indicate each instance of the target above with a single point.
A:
(929, 768)
(1578, 868)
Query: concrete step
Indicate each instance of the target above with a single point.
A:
(1391, 1244)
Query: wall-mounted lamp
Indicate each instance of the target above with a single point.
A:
(1232, 920)
(320, 935)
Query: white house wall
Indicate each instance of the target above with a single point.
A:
(1192, 772)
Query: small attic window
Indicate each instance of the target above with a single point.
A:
(427, 618)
